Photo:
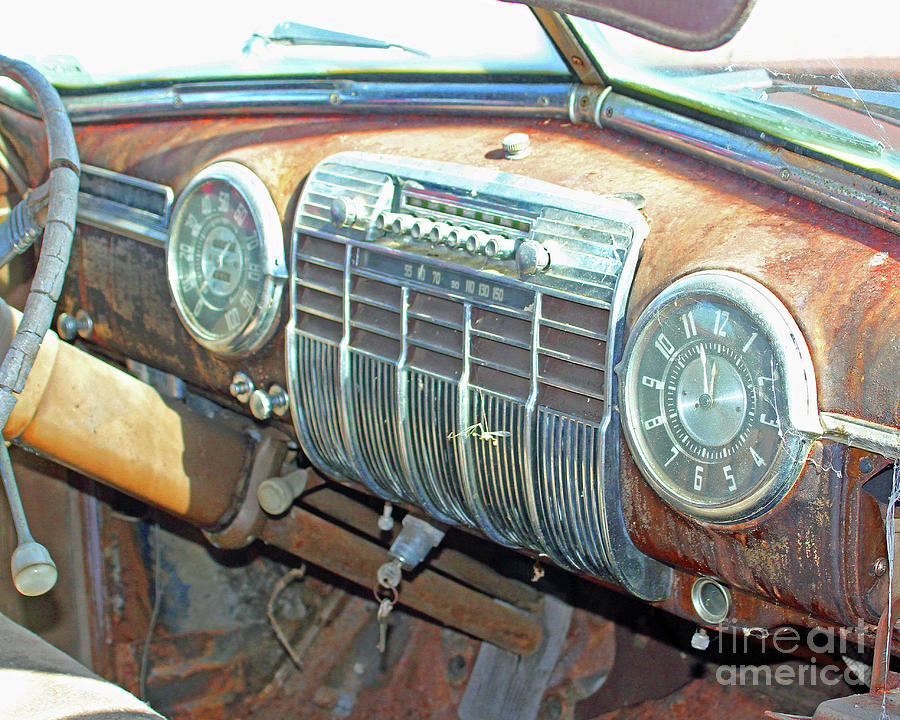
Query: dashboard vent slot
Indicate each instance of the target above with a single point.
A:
(443, 378)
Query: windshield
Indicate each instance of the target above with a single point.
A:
(94, 44)
(821, 74)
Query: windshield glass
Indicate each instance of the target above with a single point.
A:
(824, 75)
(93, 44)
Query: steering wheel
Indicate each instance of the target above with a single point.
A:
(34, 572)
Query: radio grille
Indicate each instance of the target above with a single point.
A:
(447, 380)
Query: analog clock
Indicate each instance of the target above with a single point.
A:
(225, 259)
(719, 403)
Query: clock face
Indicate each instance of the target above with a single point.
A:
(706, 404)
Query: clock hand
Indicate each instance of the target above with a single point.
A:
(712, 382)
(705, 378)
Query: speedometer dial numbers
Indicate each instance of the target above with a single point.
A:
(708, 414)
(226, 259)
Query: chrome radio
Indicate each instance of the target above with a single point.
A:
(452, 338)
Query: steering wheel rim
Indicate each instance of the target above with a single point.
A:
(33, 570)
(65, 170)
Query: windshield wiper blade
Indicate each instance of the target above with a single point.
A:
(291, 33)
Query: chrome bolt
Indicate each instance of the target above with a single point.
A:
(70, 327)
(241, 387)
(263, 404)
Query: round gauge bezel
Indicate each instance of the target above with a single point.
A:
(259, 327)
(800, 422)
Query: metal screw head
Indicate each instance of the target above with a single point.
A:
(866, 465)
(67, 327)
(241, 387)
(880, 567)
(260, 404)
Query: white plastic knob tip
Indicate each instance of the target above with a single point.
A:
(33, 570)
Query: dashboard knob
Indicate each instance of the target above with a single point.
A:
(516, 146)
(475, 242)
(439, 233)
(241, 387)
(421, 229)
(457, 237)
(500, 247)
(401, 223)
(345, 211)
(69, 327)
(384, 221)
(532, 257)
(263, 404)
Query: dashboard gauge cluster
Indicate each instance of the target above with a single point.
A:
(720, 397)
(225, 259)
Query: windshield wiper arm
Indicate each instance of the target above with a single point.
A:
(291, 33)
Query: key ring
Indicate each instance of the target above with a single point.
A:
(390, 599)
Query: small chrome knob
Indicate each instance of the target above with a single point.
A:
(345, 211)
(516, 146)
(456, 237)
(241, 387)
(263, 404)
(80, 325)
(475, 242)
(401, 223)
(532, 257)
(439, 233)
(384, 221)
(500, 247)
(421, 229)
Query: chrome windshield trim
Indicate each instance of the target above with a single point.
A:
(536, 99)
(863, 434)
(842, 190)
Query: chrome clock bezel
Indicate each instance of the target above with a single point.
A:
(250, 336)
(800, 423)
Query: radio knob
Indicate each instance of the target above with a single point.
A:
(384, 221)
(439, 233)
(475, 242)
(421, 229)
(401, 224)
(344, 211)
(499, 247)
(532, 257)
(457, 237)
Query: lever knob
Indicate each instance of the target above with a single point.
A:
(33, 570)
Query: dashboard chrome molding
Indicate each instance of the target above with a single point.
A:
(843, 190)
(535, 99)
(800, 424)
(101, 210)
(862, 434)
(432, 375)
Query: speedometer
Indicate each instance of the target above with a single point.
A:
(225, 259)
(720, 403)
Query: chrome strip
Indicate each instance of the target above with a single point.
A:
(122, 218)
(536, 99)
(864, 434)
(842, 190)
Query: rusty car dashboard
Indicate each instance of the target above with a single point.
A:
(454, 330)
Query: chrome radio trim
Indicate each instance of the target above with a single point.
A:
(358, 411)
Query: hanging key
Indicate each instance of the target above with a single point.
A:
(384, 609)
